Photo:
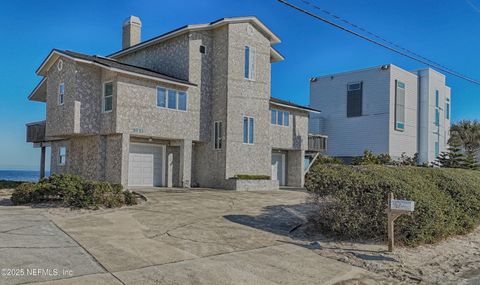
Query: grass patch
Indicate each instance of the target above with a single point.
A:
(251, 177)
(7, 184)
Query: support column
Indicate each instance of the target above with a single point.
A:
(186, 163)
(295, 168)
(42, 161)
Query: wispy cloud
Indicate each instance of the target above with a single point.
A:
(473, 5)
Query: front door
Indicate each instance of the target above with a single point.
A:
(278, 167)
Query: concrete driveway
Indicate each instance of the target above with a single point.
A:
(176, 237)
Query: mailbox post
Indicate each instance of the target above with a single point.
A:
(395, 209)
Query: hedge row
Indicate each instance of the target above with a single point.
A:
(353, 200)
(74, 192)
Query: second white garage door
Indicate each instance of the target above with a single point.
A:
(146, 165)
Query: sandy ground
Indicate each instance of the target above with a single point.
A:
(453, 261)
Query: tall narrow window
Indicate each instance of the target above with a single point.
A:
(218, 134)
(286, 119)
(447, 109)
(61, 94)
(250, 63)
(437, 149)
(161, 97)
(62, 155)
(274, 117)
(280, 117)
(437, 98)
(172, 99)
(247, 62)
(354, 99)
(437, 117)
(399, 106)
(182, 101)
(107, 97)
(248, 130)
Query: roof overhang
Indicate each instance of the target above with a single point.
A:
(303, 109)
(275, 55)
(55, 54)
(39, 94)
(274, 39)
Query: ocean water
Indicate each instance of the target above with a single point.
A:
(21, 175)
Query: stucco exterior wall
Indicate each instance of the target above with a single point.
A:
(137, 111)
(404, 141)
(350, 136)
(293, 136)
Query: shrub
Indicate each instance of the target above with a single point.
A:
(23, 193)
(354, 199)
(251, 177)
(328, 160)
(7, 184)
(370, 158)
(73, 192)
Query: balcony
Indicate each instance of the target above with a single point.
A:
(317, 143)
(36, 132)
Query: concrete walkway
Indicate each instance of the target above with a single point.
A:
(177, 237)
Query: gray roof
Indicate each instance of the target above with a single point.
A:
(108, 62)
(288, 103)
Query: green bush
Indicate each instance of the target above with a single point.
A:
(73, 192)
(251, 177)
(23, 193)
(7, 184)
(328, 160)
(353, 200)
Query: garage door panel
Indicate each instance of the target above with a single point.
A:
(146, 165)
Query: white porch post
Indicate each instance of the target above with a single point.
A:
(186, 163)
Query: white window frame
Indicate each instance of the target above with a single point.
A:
(252, 138)
(104, 97)
(61, 96)
(277, 116)
(252, 62)
(217, 130)
(177, 101)
(62, 159)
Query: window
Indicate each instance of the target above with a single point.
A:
(62, 155)
(61, 94)
(218, 134)
(437, 149)
(161, 97)
(182, 101)
(203, 49)
(250, 63)
(280, 118)
(437, 98)
(399, 106)
(107, 96)
(447, 109)
(172, 99)
(354, 99)
(274, 117)
(248, 130)
(437, 117)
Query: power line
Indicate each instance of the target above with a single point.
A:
(404, 53)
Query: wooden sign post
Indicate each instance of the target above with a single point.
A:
(395, 209)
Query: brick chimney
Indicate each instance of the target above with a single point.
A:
(132, 30)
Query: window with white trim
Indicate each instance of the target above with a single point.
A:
(171, 99)
(354, 99)
(280, 118)
(218, 134)
(62, 155)
(248, 130)
(447, 109)
(250, 63)
(107, 104)
(61, 94)
(399, 106)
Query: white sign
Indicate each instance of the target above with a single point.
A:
(402, 205)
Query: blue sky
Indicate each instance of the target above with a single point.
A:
(444, 31)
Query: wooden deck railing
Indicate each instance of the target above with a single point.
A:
(36, 132)
(317, 143)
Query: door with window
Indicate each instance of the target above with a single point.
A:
(278, 167)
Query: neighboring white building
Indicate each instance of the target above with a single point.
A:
(384, 109)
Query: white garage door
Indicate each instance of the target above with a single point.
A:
(146, 165)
